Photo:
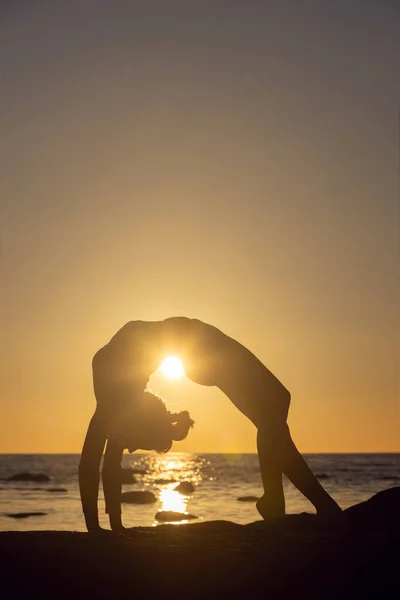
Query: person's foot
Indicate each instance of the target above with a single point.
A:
(329, 511)
(270, 509)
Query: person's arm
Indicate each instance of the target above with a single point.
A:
(89, 470)
(112, 485)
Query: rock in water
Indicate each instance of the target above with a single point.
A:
(144, 497)
(56, 490)
(164, 481)
(170, 515)
(248, 498)
(38, 477)
(185, 488)
(139, 471)
(127, 476)
(25, 515)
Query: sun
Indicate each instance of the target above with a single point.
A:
(172, 367)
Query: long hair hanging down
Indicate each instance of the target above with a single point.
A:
(166, 426)
(181, 424)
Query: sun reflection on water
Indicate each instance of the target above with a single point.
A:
(176, 465)
(174, 469)
(171, 500)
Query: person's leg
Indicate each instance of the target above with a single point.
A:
(271, 423)
(278, 454)
(296, 469)
(272, 504)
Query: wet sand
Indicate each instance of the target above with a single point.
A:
(298, 557)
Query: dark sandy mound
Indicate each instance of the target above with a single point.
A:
(299, 557)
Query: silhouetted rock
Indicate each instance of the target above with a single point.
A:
(247, 498)
(127, 476)
(38, 477)
(25, 515)
(143, 497)
(56, 490)
(164, 481)
(381, 512)
(170, 515)
(185, 488)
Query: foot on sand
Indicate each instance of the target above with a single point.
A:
(269, 509)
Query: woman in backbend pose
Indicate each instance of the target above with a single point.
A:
(122, 368)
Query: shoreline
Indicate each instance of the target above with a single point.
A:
(300, 556)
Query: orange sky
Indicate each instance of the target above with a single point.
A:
(237, 165)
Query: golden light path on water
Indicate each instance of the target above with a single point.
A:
(171, 500)
(166, 474)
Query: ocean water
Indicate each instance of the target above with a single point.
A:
(219, 480)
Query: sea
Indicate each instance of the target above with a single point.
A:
(218, 480)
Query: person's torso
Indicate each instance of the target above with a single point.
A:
(210, 357)
(127, 361)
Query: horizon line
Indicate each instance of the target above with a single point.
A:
(185, 452)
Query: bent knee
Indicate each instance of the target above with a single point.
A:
(280, 405)
(286, 398)
(270, 439)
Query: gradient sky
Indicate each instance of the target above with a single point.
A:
(230, 160)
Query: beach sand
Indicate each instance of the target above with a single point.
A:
(298, 557)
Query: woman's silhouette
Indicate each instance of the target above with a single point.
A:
(121, 371)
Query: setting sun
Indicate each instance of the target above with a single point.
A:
(172, 367)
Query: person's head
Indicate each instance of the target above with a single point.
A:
(150, 426)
